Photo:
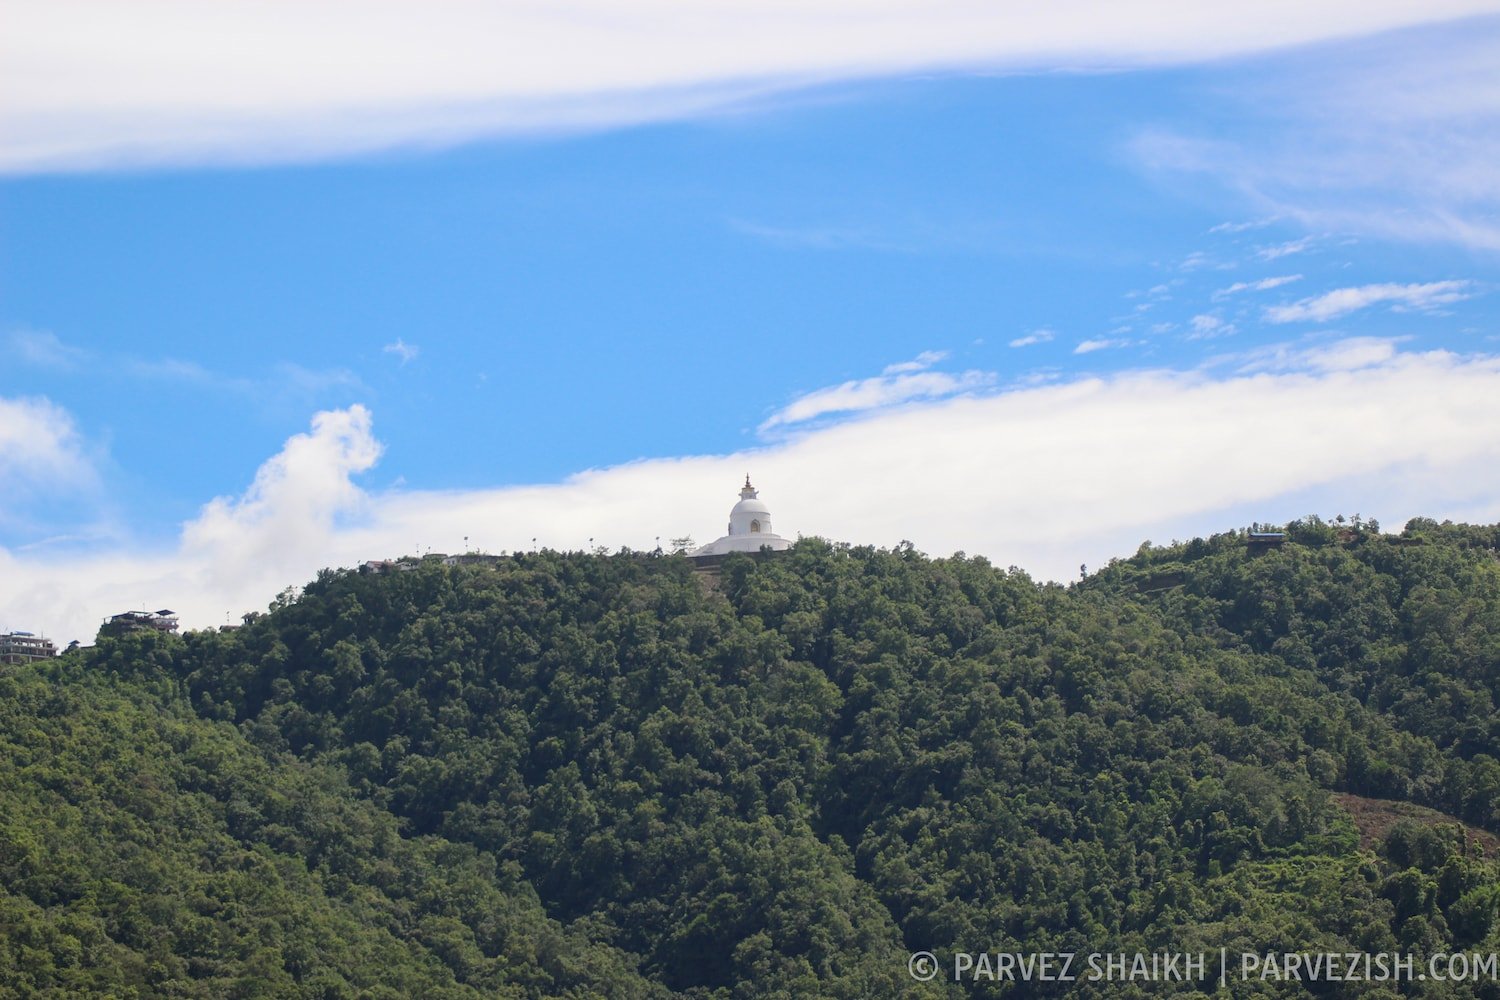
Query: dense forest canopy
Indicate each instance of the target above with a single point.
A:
(571, 775)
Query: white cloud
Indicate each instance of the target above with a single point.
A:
(1197, 260)
(1348, 354)
(1099, 344)
(1205, 326)
(1242, 227)
(295, 502)
(1042, 477)
(899, 383)
(291, 520)
(921, 362)
(98, 83)
(1040, 336)
(1351, 354)
(1193, 262)
(44, 463)
(402, 350)
(1286, 249)
(39, 443)
(1263, 285)
(1342, 301)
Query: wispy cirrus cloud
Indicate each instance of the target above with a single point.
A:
(1205, 325)
(808, 237)
(1039, 336)
(1278, 250)
(282, 383)
(921, 362)
(1101, 344)
(401, 349)
(93, 84)
(825, 237)
(180, 370)
(1342, 301)
(1232, 228)
(1393, 136)
(43, 349)
(1263, 285)
(897, 384)
(1313, 355)
(286, 383)
(904, 235)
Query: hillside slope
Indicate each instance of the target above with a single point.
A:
(780, 787)
(147, 853)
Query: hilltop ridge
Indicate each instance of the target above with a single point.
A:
(578, 775)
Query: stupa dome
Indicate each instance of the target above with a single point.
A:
(749, 527)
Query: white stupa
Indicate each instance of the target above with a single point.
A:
(749, 528)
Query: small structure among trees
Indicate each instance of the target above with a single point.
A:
(136, 621)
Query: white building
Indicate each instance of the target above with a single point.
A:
(749, 528)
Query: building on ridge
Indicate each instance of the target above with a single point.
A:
(1263, 541)
(138, 621)
(749, 528)
(23, 647)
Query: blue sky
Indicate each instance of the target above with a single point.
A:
(740, 281)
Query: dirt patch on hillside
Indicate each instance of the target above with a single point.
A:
(1375, 817)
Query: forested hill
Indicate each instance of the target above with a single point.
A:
(569, 775)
